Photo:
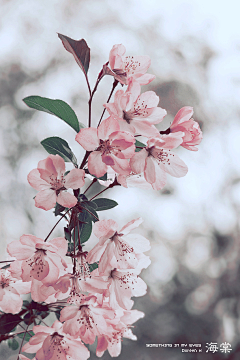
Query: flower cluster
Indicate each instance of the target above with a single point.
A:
(92, 292)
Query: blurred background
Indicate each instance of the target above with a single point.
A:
(193, 223)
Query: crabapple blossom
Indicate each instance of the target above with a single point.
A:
(123, 284)
(117, 249)
(87, 319)
(136, 113)
(192, 132)
(109, 146)
(121, 328)
(156, 159)
(10, 292)
(40, 260)
(126, 67)
(52, 343)
(50, 181)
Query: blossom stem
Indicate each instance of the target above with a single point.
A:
(94, 180)
(57, 224)
(79, 240)
(23, 338)
(1, 262)
(110, 186)
(113, 88)
(92, 214)
(85, 159)
(90, 100)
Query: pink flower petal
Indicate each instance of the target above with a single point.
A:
(104, 229)
(107, 127)
(95, 164)
(176, 167)
(46, 199)
(75, 179)
(133, 224)
(88, 138)
(36, 181)
(137, 162)
(182, 115)
(66, 199)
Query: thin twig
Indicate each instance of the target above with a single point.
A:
(57, 224)
(113, 88)
(99, 193)
(94, 180)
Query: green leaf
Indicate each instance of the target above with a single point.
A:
(89, 205)
(8, 323)
(28, 335)
(104, 204)
(6, 266)
(57, 146)
(13, 344)
(139, 143)
(79, 49)
(85, 225)
(55, 107)
(58, 209)
(93, 266)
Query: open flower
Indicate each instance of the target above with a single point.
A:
(126, 67)
(109, 146)
(156, 159)
(10, 290)
(51, 183)
(192, 132)
(39, 260)
(136, 113)
(119, 250)
(52, 343)
(86, 319)
(121, 328)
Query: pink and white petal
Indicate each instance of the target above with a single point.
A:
(142, 61)
(105, 229)
(95, 253)
(46, 199)
(124, 126)
(36, 181)
(122, 139)
(47, 169)
(107, 127)
(144, 79)
(75, 349)
(16, 249)
(149, 172)
(121, 166)
(189, 147)
(30, 240)
(122, 179)
(134, 88)
(22, 287)
(88, 138)
(176, 167)
(35, 343)
(53, 273)
(139, 288)
(106, 257)
(68, 312)
(102, 345)
(137, 162)
(133, 224)
(58, 163)
(148, 98)
(61, 245)
(115, 56)
(161, 177)
(139, 243)
(172, 140)
(66, 199)
(111, 108)
(96, 166)
(114, 347)
(16, 269)
(75, 179)
(41, 292)
(11, 301)
(155, 115)
(184, 114)
(145, 128)
(40, 267)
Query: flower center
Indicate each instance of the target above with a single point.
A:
(57, 184)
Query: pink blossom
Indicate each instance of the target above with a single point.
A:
(123, 284)
(109, 146)
(50, 181)
(40, 260)
(192, 132)
(86, 319)
(10, 293)
(126, 67)
(52, 343)
(117, 249)
(121, 328)
(156, 159)
(136, 113)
